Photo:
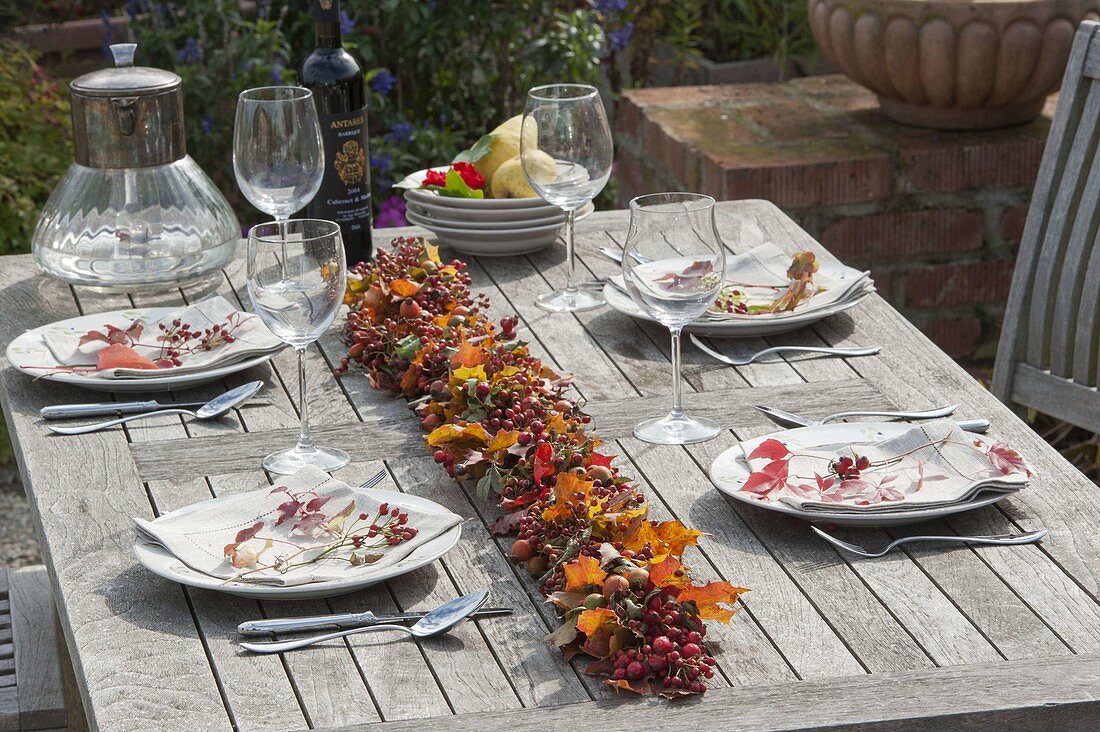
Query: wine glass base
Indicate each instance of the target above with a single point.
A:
(287, 462)
(677, 430)
(585, 297)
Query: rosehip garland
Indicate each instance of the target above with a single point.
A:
(497, 416)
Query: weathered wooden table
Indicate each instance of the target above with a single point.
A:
(990, 637)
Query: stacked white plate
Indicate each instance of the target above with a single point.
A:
(485, 227)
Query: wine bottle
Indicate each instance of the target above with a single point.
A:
(339, 93)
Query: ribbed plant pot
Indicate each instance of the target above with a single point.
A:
(952, 64)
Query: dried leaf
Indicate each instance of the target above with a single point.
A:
(771, 449)
(468, 355)
(119, 356)
(709, 599)
(404, 288)
(452, 434)
(669, 573)
(583, 574)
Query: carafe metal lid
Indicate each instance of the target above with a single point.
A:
(125, 79)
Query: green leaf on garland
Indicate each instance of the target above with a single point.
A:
(490, 482)
(479, 150)
(407, 347)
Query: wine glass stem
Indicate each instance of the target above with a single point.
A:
(570, 261)
(677, 396)
(280, 221)
(305, 440)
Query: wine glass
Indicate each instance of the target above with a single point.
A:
(296, 280)
(278, 158)
(673, 265)
(566, 153)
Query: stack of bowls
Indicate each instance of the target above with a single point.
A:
(485, 227)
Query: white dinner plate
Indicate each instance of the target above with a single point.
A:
(492, 223)
(729, 471)
(490, 243)
(747, 328)
(30, 349)
(160, 562)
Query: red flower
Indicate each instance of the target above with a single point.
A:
(472, 178)
(435, 178)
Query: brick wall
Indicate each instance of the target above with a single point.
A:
(936, 216)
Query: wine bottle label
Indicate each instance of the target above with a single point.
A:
(344, 196)
(325, 11)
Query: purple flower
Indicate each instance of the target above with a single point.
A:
(277, 73)
(347, 25)
(391, 212)
(381, 162)
(605, 7)
(621, 37)
(263, 9)
(207, 123)
(383, 81)
(133, 7)
(400, 132)
(191, 52)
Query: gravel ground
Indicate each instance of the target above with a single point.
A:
(18, 544)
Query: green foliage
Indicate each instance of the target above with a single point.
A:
(747, 29)
(35, 144)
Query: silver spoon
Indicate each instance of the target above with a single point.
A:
(440, 620)
(213, 409)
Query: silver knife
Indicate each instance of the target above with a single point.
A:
(109, 409)
(787, 419)
(344, 620)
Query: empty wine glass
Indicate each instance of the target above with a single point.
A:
(566, 153)
(278, 158)
(673, 265)
(296, 280)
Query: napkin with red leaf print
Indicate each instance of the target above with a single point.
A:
(930, 465)
(309, 527)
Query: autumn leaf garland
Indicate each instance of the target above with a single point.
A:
(499, 418)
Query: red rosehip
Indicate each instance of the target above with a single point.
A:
(635, 670)
(522, 550)
(661, 644)
(691, 650)
(409, 308)
(614, 584)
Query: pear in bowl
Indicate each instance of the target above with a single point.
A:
(509, 180)
(504, 146)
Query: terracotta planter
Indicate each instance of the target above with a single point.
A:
(952, 64)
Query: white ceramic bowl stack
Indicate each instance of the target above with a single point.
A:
(486, 227)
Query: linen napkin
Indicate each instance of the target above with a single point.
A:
(930, 465)
(764, 268)
(250, 338)
(295, 521)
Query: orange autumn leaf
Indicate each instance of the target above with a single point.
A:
(566, 488)
(664, 573)
(709, 599)
(584, 573)
(502, 440)
(448, 434)
(589, 622)
(404, 288)
(467, 355)
(676, 537)
(120, 356)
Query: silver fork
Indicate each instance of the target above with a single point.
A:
(373, 480)
(1030, 537)
(745, 361)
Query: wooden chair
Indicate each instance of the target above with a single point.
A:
(31, 692)
(1047, 358)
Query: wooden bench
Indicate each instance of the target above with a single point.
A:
(31, 693)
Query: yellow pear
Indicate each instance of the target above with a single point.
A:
(509, 180)
(504, 147)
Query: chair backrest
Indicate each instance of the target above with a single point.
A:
(1047, 357)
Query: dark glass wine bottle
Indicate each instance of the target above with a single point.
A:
(336, 80)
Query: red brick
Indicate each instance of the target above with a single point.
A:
(904, 234)
(959, 338)
(958, 284)
(941, 162)
(849, 177)
(1012, 223)
(628, 117)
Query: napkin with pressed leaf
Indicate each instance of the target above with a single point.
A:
(308, 527)
(208, 334)
(930, 465)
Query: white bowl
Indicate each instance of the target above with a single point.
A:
(477, 204)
